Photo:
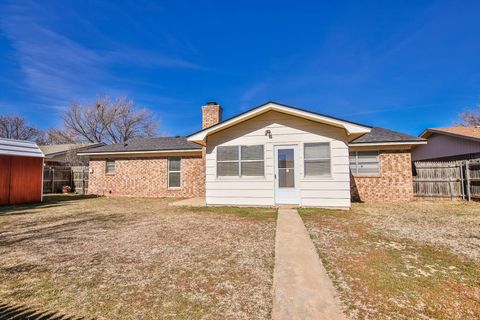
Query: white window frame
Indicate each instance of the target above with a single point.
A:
(114, 166)
(228, 161)
(305, 160)
(174, 171)
(376, 174)
(240, 162)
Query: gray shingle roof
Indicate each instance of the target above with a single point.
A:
(181, 143)
(384, 135)
(148, 144)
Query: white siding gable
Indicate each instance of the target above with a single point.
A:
(331, 191)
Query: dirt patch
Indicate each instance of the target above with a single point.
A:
(408, 261)
(131, 258)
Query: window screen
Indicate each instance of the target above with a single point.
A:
(364, 162)
(110, 166)
(317, 159)
(240, 161)
(228, 161)
(174, 172)
(252, 160)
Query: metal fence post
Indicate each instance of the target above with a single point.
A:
(462, 181)
(467, 169)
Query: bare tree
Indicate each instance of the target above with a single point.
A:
(16, 127)
(73, 159)
(60, 136)
(471, 117)
(108, 121)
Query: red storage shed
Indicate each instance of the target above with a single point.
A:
(21, 172)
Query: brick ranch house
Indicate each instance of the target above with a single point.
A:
(272, 154)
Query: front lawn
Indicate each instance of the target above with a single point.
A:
(419, 260)
(134, 258)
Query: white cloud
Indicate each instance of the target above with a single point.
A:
(58, 69)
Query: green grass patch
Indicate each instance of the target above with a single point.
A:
(313, 212)
(260, 214)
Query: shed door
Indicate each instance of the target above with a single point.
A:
(4, 179)
(26, 180)
(286, 175)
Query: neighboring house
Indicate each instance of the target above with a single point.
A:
(448, 144)
(65, 154)
(273, 154)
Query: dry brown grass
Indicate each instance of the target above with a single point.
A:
(131, 258)
(455, 225)
(402, 261)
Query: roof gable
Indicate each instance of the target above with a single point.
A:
(54, 149)
(350, 127)
(464, 132)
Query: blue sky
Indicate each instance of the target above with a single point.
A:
(403, 65)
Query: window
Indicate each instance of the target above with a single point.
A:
(174, 172)
(317, 159)
(236, 161)
(228, 161)
(252, 163)
(110, 166)
(364, 162)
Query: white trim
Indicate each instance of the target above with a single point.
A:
(320, 177)
(240, 161)
(137, 152)
(385, 143)
(351, 128)
(295, 197)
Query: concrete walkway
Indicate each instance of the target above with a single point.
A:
(190, 202)
(301, 284)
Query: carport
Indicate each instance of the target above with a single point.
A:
(21, 172)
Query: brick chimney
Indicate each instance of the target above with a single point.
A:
(211, 114)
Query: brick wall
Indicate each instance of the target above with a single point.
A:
(393, 184)
(147, 177)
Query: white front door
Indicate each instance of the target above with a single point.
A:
(286, 175)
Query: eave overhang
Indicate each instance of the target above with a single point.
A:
(152, 152)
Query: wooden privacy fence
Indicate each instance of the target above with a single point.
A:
(55, 177)
(450, 179)
(80, 179)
